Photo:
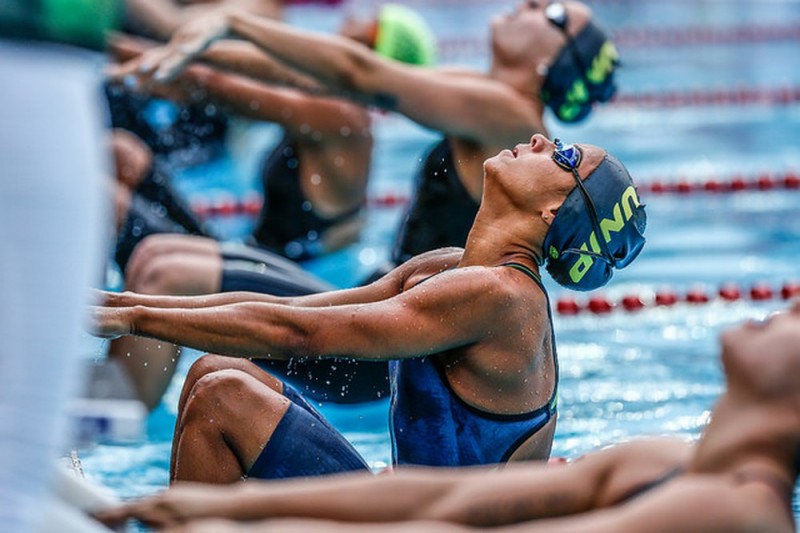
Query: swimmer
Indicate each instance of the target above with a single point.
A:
(550, 55)
(468, 332)
(314, 181)
(739, 476)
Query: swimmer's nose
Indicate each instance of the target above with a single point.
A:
(539, 142)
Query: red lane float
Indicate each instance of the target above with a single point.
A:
(764, 181)
(599, 304)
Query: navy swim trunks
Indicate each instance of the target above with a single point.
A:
(305, 444)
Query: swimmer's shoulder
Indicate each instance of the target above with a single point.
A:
(427, 264)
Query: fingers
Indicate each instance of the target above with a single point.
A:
(139, 510)
(113, 516)
(107, 323)
(171, 65)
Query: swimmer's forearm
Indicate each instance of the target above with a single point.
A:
(236, 330)
(155, 17)
(352, 498)
(246, 59)
(334, 61)
(132, 299)
(474, 497)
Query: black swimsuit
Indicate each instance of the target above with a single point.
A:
(288, 224)
(441, 212)
(155, 208)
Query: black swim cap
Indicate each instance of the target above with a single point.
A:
(582, 74)
(607, 208)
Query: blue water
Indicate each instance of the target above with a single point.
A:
(622, 374)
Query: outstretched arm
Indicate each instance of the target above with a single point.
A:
(470, 496)
(408, 324)
(417, 268)
(520, 497)
(234, 56)
(469, 106)
(160, 18)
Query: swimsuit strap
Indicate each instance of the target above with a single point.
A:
(522, 268)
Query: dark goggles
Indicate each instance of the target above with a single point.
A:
(569, 157)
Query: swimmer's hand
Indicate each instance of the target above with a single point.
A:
(188, 42)
(110, 322)
(181, 503)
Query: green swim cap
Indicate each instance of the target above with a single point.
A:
(78, 22)
(403, 34)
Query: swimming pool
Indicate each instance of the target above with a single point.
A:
(706, 97)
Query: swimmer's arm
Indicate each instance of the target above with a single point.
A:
(467, 106)
(421, 266)
(298, 108)
(236, 57)
(303, 115)
(160, 18)
(246, 59)
(456, 308)
(458, 104)
(694, 507)
(474, 497)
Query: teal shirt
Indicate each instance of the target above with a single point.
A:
(77, 22)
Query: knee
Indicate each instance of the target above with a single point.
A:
(150, 247)
(211, 392)
(158, 274)
(207, 364)
(227, 395)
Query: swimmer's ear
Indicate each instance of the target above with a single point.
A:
(548, 214)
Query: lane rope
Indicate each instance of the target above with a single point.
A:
(600, 304)
(226, 205)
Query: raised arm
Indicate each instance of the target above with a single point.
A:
(160, 18)
(469, 106)
(235, 56)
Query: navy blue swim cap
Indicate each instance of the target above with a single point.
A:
(582, 74)
(598, 228)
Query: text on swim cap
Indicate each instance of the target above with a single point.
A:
(623, 211)
(577, 95)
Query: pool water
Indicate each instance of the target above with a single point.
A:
(623, 374)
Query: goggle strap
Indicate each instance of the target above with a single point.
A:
(609, 258)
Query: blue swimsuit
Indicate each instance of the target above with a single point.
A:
(432, 426)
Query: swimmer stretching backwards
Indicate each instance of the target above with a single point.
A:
(542, 55)
(314, 184)
(467, 332)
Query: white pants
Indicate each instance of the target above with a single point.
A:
(53, 206)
